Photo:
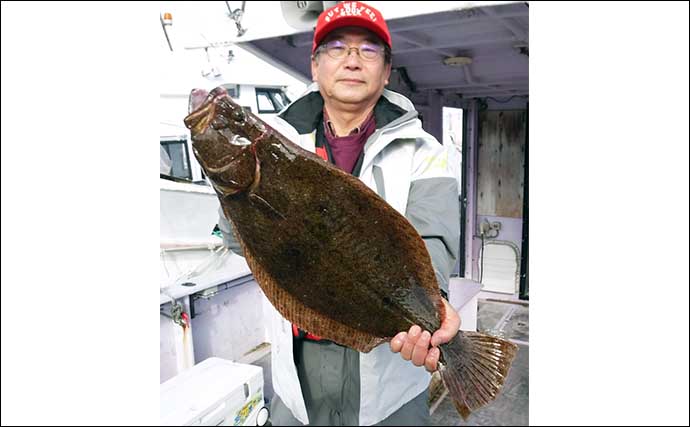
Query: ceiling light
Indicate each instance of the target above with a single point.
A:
(457, 61)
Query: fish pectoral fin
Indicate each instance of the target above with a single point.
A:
(264, 206)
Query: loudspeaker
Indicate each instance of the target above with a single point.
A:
(302, 15)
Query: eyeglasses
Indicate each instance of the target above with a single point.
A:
(338, 49)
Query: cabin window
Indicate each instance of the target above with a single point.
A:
(178, 154)
(263, 100)
(271, 100)
(233, 90)
(280, 99)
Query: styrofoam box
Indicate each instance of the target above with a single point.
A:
(214, 392)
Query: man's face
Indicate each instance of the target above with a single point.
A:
(352, 79)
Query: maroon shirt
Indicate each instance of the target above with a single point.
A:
(346, 149)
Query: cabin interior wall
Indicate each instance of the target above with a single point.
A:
(499, 185)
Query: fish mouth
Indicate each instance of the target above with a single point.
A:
(202, 115)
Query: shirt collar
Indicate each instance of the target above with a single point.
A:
(331, 129)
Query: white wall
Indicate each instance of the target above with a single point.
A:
(229, 324)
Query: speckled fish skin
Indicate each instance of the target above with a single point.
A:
(330, 254)
(317, 232)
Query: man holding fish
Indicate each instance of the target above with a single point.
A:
(349, 119)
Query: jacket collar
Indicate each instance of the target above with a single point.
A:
(306, 113)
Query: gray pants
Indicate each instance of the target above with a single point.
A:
(329, 376)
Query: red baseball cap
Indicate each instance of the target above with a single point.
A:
(350, 14)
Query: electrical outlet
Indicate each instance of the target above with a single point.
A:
(484, 227)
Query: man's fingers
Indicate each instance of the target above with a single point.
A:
(408, 345)
(431, 362)
(397, 342)
(414, 344)
(419, 352)
(449, 326)
(441, 336)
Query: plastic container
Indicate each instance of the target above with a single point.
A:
(215, 392)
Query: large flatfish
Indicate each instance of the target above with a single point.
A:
(331, 255)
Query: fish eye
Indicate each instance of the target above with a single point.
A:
(238, 115)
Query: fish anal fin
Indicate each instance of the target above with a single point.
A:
(306, 318)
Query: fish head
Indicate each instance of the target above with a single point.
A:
(220, 140)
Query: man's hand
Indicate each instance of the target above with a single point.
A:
(414, 345)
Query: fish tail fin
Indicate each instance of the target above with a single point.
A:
(474, 369)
